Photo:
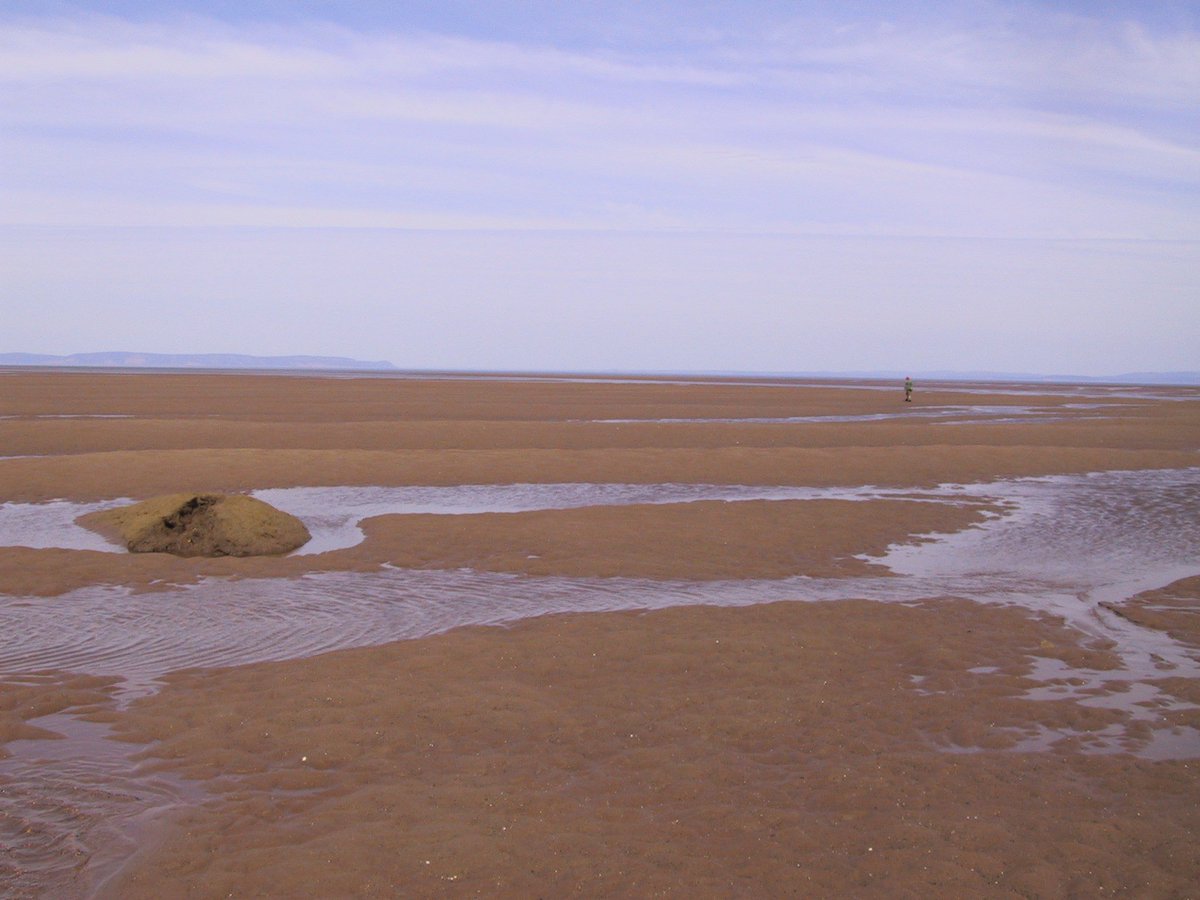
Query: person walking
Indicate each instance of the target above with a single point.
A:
(908, 389)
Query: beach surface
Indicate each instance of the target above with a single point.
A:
(604, 697)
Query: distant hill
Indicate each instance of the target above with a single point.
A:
(123, 360)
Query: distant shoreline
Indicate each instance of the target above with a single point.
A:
(242, 363)
(368, 370)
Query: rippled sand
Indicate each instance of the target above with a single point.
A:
(996, 717)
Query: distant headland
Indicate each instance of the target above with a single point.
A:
(124, 360)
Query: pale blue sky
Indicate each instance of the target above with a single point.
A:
(606, 185)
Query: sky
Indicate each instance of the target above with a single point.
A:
(634, 185)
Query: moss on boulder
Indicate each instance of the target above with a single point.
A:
(201, 525)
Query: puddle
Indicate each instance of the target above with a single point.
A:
(333, 514)
(74, 809)
(1089, 391)
(71, 416)
(1098, 537)
(1169, 742)
(52, 524)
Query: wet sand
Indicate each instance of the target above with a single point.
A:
(784, 749)
(851, 747)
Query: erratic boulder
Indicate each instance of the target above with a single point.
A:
(201, 525)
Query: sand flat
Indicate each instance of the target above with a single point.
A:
(783, 749)
(852, 747)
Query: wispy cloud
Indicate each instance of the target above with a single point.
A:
(1057, 127)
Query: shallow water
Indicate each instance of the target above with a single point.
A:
(959, 414)
(1064, 545)
(71, 416)
(52, 524)
(73, 806)
(333, 514)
